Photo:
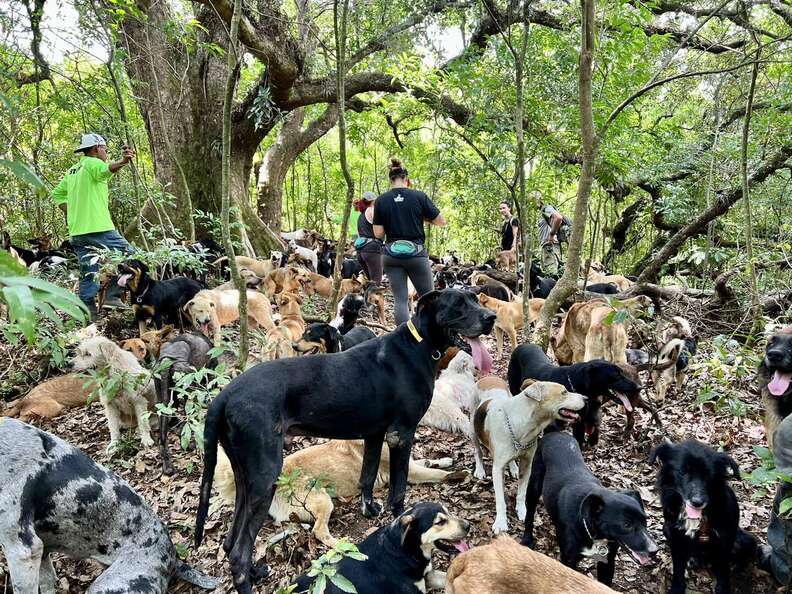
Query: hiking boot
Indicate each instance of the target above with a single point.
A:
(93, 314)
(114, 303)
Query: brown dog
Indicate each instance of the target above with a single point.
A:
(281, 338)
(595, 277)
(775, 380)
(52, 398)
(510, 317)
(210, 310)
(374, 294)
(591, 331)
(153, 339)
(319, 285)
(506, 260)
(506, 566)
(135, 346)
(288, 279)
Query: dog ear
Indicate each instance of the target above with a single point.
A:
(533, 390)
(107, 349)
(592, 505)
(728, 466)
(661, 451)
(188, 305)
(404, 522)
(527, 383)
(635, 495)
(427, 299)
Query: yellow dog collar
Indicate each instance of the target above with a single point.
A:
(414, 331)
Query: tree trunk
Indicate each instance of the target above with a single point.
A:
(292, 141)
(567, 284)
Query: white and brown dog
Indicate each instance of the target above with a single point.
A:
(673, 359)
(135, 393)
(509, 427)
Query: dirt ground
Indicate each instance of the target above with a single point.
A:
(618, 463)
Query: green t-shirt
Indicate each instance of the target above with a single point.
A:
(84, 191)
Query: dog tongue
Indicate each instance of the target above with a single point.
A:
(481, 356)
(780, 383)
(642, 559)
(625, 402)
(693, 513)
(122, 280)
(462, 546)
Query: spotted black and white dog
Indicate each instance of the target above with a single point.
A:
(55, 499)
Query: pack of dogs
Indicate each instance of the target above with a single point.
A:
(368, 394)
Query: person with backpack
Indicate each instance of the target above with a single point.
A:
(399, 217)
(553, 230)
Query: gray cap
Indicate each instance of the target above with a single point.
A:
(369, 196)
(782, 446)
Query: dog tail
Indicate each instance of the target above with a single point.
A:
(212, 428)
(195, 577)
(746, 549)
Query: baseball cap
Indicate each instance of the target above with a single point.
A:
(369, 196)
(88, 141)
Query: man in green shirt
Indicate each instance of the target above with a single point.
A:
(83, 196)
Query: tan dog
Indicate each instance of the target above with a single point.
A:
(509, 428)
(319, 285)
(280, 339)
(135, 346)
(510, 317)
(506, 566)
(252, 281)
(620, 281)
(210, 310)
(506, 260)
(153, 339)
(51, 398)
(590, 331)
(351, 285)
(289, 279)
(375, 295)
(335, 464)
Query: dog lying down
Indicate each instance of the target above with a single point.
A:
(57, 500)
(52, 398)
(505, 566)
(400, 554)
(454, 392)
(338, 463)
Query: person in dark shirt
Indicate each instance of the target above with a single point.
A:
(369, 248)
(399, 216)
(510, 230)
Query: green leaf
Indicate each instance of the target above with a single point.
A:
(9, 266)
(343, 584)
(21, 309)
(319, 584)
(785, 507)
(24, 173)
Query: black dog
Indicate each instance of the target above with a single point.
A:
(349, 311)
(399, 554)
(325, 263)
(590, 520)
(701, 511)
(350, 267)
(185, 353)
(157, 300)
(321, 337)
(603, 288)
(492, 290)
(775, 380)
(598, 380)
(538, 285)
(377, 392)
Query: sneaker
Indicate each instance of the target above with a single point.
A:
(93, 314)
(114, 303)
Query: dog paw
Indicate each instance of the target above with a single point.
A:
(259, 571)
(442, 463)
(500, 525)
(521, 511)
(371, 509)
(480, 474)
(146, 441)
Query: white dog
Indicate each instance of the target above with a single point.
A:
(509, 427)
(305, 254)
(454, 393)
(129, 407)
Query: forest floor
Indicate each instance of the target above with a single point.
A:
(735, 425)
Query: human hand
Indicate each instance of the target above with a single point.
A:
(553, 238)
(128, 154)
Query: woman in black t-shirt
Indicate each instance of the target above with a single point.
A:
(369, 248)
(399, 216)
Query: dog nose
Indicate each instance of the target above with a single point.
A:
(698, 501)
(465, 525)
(775, 356)
(490, 316)
(651, 547)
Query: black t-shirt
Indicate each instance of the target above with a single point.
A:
(402, 212)
(364, 228)
(508, 232)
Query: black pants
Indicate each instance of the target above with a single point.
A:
(419, 271)
(371, 262)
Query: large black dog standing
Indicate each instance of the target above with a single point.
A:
(701, 512)
(377, 391)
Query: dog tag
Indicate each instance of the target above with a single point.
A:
(598, 551)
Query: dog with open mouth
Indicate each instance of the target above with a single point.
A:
(509, 427)
(598, 380)
(399, 555)
(590, 521)
(160, 301)
(700, 511)
(377, 391)
(775, 380)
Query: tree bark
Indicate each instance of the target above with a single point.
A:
(567, 284)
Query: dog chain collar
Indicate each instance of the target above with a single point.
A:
(139, 298)
(517, 445)
(598, 551)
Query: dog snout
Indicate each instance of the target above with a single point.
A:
(698, 500)
(488, 319)
(775, 356)
(651, 546)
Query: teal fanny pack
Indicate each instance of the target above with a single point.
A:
(403, 248)
(361, 241)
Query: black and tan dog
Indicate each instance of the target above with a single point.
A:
(321, 337)
(160, 301)
(400, 554)
(377, 392)
(775, 380)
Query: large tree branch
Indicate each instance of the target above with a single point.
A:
(725, 200)
(41, 68)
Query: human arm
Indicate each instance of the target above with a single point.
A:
(377, 220)
(515, 233)
(127, 157)
(379, 231)
(439, 221)
(60, 195)
(431, 213)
